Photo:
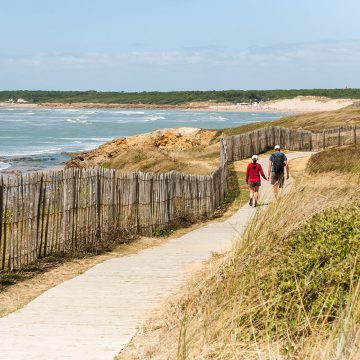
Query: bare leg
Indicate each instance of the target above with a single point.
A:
(251, 196)
(276, 189)
(278, 186)
(256, 195)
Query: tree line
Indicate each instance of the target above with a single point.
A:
(172, 97)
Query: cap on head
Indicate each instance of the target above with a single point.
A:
(254, 157)
(277, 147)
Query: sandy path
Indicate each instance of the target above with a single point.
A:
(94, 315)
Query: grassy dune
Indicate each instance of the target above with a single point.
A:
(199, 161)
(289, 289)
(314, 121)
(345, 160)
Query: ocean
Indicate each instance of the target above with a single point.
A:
(37, 139)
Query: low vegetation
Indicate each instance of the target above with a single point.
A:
(309, 121)
(173, 97)
(200, 161)
(345, 160)
(322, 119)
(237, 193)
(290, 288)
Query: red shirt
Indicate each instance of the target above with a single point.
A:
(253, 173)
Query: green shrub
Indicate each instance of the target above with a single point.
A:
(106, 165)
(163, 232)
(315, 271)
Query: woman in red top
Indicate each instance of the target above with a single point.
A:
(253, 172)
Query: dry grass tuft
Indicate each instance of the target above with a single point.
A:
(149, 160)
(316, 121)
(345, 160)
(313, 121)
(288, 290)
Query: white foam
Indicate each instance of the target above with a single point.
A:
(85, 139)
(127, 112)
(154, 118)
(50, 150)
(4, 166)
(64, 110)
(219, 118)
(27, 113)
(78, 120)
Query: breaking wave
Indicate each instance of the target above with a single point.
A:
(4, 166)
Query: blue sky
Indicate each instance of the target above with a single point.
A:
(179, 44)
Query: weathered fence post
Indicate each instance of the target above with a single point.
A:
(354, 135)
(4, 217)
(1, 218)
(339, 136)
(38, 220)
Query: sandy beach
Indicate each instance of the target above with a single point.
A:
(300, 104)
(17, 106)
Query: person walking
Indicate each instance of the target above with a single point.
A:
(253, 172)
(276, 172)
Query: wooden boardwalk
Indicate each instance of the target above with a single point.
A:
(94, 315)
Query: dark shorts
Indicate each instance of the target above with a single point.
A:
(254, 184)
(277, 179)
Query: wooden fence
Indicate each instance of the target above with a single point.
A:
(340, 136)
(68, 210)
(259, 141)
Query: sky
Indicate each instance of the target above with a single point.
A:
(162, 45)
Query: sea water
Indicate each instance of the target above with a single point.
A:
(36, 139)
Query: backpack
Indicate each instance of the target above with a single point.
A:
(278, 163)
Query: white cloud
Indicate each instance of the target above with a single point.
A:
(302, 54)
(320, 64)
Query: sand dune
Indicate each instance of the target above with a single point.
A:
(300, 104)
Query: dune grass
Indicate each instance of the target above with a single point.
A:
(316, 121)
(313, 121)
(288, 290)
(345, 160)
